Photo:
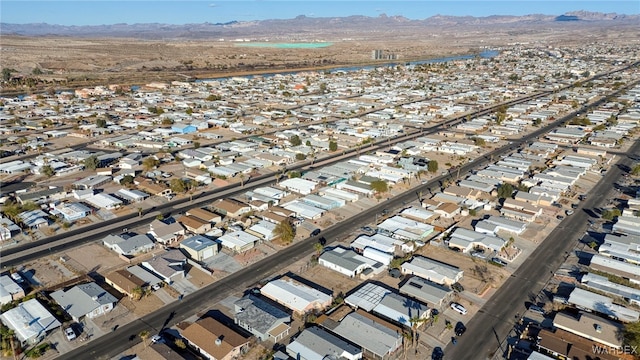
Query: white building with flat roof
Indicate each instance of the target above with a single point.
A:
(296, 296)
(30, 321)
(432, 270)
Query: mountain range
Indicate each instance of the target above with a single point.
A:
(303, 26)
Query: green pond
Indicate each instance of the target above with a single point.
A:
(313, 45)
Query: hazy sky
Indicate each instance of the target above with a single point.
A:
(86, 12)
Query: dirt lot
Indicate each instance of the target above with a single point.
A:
(478, 274)
(326, 278)
(93, 257)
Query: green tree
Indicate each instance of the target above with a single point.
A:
(379, 186)
(179, 343)
(285, 231)
(432, 166)
(144, 335)
(91, 163)
(101, 123)
(300, 156)
(178, 186)
(150, 162)
(6, 73)
(196, 144)
(189, 111)
(294, 174)
(479, 141)
(318, 248)
(611, 214)
(505, 190)
(295, 140)
(631, 335)
(126, 180)
(636, 170)
(333, 146)
(47, 170)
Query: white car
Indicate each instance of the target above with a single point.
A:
(459, 308)
(70, 333)
(156, 339)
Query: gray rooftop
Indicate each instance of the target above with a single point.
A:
(317, 343)
(369, 334)
(258, 314)
(83, 299)
(424, 290)
(198, 243)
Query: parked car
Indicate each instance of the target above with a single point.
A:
(457, 287)
(498, 261)
(69, 333)
(459, 308)
(460, 328)
(156, 287)
(536, 309)
(17, 277)
(315, 232)
(437, 354)
(569, 212)
(560, 217)
(156, 339)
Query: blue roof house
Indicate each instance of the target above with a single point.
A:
(184, 128)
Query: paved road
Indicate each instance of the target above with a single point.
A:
(496, 318)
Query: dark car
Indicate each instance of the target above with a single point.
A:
(457, 287)
(460, 328)
(315, 232)
(437, 354)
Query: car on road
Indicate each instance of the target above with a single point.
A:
(454, 341)
(69, 333)
(315, 232)
(459, 308)
(460, 328)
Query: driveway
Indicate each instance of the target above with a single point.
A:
(184, 286)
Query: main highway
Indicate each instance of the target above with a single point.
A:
(494, 317)
(493, 322)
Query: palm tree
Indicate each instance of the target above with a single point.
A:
(139, 212)
(415, 323)
(318, 247)
(144, 335)
(406, 338)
